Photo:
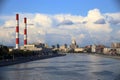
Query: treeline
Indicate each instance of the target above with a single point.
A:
(6, 54)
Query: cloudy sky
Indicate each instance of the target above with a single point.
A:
(60, 21)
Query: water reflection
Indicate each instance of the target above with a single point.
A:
(70, 67)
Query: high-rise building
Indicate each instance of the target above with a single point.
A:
(74, 44)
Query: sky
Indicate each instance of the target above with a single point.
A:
(77, 7)
(60, 21)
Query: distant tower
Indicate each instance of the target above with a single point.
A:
(17, 31)
(73, 44)
(73, 41)
(25, 31)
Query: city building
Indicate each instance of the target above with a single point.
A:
(100, 48)
(111, 51)
(106, 50)
(37, 48)
(73, 44)
(115, 45)
(31, 47)
(87, 49)
(93, 48)
(63, 48)
(79, 50)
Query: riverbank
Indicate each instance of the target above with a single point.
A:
(108, 56)
(27, 59)
(101, 55)
(104, 55)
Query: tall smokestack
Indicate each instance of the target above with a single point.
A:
(25, 31)
(17, 31)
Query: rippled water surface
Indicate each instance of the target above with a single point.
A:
(69, 67)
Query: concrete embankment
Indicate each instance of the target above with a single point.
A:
(27, 59)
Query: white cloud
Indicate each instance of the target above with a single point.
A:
(43, 20)
(79, 38)
(9, 23)
(61, 27)
(113, 18)
(7, 36)
(68, 17)
(98, 27)
(93, 15)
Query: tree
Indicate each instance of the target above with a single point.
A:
(4, 52)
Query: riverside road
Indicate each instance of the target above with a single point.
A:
(69, 67)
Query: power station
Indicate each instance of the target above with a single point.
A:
(17, 32)
(33, 47)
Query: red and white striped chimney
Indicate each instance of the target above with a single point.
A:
(25, 31)
(17, 31)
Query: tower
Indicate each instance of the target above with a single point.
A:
(17, 31)
(73, 44)
(73, 41)
(25, 31)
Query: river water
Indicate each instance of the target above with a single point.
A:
(69, 67)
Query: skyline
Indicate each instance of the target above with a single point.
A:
(96, 23)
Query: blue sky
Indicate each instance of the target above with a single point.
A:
(59, 21)
(77, 7)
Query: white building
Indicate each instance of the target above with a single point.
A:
(115, 45)
(73, 44)
(79, 49)
(63, 48)
(106, 50)
(118, 50)
(31, 47)
(93, 48)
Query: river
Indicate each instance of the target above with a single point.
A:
(69, 67)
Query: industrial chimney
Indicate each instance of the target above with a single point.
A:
(17, 31)
(25, 31)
